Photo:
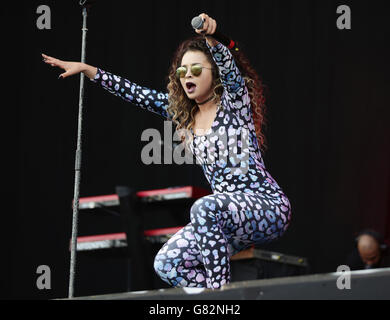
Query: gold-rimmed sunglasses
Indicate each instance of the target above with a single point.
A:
(196, 70)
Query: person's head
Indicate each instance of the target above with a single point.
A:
(369, 249)
(198, 73)
(192, 56)
(197, 67)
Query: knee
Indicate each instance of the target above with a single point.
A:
(197, 208)
(160, 261)
(158, 265)
(169, 273)
(202, 209)
(167, 269)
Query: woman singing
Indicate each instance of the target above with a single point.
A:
(217, 98)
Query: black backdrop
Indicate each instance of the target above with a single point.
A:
(328, 114)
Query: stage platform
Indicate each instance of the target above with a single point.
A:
(364, 284)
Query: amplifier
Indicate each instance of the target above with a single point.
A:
(147, 196)
(118, 240)
(121, 233)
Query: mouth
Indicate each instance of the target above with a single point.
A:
(190, 87)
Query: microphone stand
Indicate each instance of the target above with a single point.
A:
(86, 5)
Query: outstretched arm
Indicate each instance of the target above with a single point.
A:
(143, 97)
(148, 99)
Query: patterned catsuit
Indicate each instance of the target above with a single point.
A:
(246, 207)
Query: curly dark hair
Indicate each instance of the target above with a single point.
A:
(182, 109)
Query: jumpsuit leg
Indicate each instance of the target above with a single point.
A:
(179, 262)
(222, 224)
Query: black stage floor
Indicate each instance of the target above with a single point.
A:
(364, 284)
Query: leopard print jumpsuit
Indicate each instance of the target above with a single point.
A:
(246, 207)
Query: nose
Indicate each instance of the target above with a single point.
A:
(188, 73)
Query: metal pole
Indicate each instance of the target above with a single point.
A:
(77, 164)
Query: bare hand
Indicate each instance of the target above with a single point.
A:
(70, 67)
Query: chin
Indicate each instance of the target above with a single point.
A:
(195, 95)
(192, 96)
(200, 97)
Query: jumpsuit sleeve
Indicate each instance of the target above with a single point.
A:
(148, 99)
(231, 77)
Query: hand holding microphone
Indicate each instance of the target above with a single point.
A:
(205, 25)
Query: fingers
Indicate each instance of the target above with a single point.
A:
(212, 27)
(209, 25)
(46, 58)
(64, 75)
(52, 61)
(205, 18)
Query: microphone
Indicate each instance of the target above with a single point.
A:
(197, 23)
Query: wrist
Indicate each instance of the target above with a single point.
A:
(83, 67)
(88, 70)
(211, 41)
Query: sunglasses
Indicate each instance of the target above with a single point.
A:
(196, 70)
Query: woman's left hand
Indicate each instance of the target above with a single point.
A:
(209, 25)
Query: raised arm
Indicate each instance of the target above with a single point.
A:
(231, 77)
(230, 74)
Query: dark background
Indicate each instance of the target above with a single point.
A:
(328, 115)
